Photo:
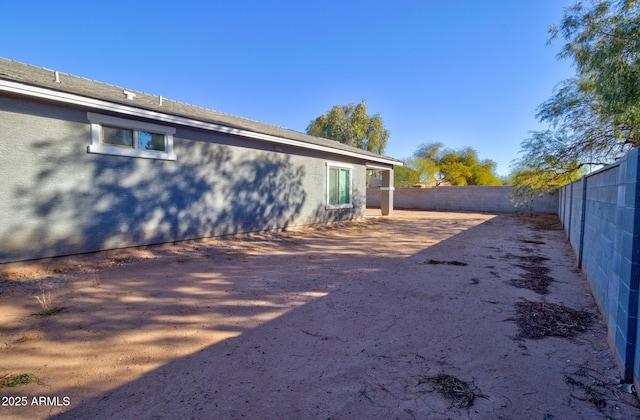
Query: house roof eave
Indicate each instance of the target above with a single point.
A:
(26, 81)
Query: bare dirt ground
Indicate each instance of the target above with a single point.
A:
(423, 315)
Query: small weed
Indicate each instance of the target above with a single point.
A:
(453, 389)
(47, 309)
(12, 381)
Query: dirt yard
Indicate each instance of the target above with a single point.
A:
(421, 315)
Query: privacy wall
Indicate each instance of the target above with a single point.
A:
(469, 198)
(600, 214)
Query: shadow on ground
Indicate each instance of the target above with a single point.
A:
(324, 323)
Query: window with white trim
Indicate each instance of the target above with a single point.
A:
(122, 137)
(339, 186)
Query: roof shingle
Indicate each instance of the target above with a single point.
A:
(41, 77)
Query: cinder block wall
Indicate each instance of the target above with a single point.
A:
(600, 215)
(570, 210)
(470, 198)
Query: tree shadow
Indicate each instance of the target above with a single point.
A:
(77, 202)
(299, 300)
(317, 324)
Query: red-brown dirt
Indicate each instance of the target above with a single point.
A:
(342, 322)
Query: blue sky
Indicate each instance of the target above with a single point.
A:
(461, 72)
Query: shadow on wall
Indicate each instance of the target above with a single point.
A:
(324, 215)
(69, 201)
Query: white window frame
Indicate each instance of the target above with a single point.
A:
(97, 145)
(338, 165)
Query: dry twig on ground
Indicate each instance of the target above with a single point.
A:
(452, 388)
(540, 319)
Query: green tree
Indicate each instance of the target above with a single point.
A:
(462, 167)
(405, 177)
(425, 162)
(604, 42)
(594, 118)
(529, 178)
(435, 164)
(351, 125)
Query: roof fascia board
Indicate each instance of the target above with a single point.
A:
(373, 166)
(70, 98)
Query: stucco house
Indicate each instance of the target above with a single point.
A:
(87, 166)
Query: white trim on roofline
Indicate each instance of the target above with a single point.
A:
(373, 166)
(70, 98)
